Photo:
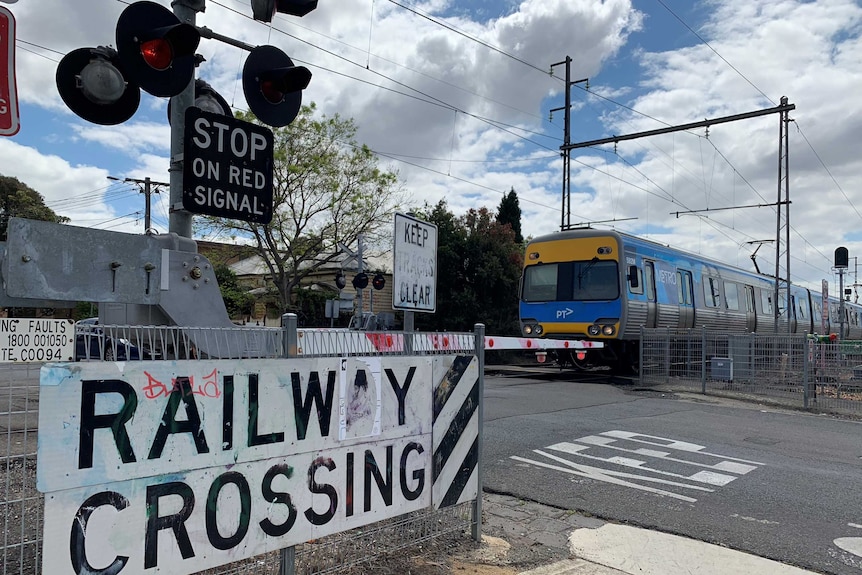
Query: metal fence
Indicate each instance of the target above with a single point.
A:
(794, 370)
(427, 534)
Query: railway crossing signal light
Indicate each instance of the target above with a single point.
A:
(264, 10)
(94, 84)
(208, 100)
(157, 50)
(340, 280)
(360, 281)
(379, 282)
(273, 85)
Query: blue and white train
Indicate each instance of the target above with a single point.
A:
(604, 285)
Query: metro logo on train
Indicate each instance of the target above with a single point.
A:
(616, 283)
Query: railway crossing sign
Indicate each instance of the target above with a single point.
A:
(227, 170)
(414, 281)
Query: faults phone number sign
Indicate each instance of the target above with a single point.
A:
(32, 339)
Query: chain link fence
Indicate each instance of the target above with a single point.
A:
(794, 370)
(390, 546)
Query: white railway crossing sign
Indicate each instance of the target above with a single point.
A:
(660, 465)
(36, 339)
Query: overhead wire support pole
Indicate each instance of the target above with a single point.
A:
(683, 212)
(566, 211)
(783, 222)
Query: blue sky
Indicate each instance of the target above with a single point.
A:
(650, 63)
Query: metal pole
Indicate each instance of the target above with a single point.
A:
(479, 332)
(361, 268)
(408, 332)
(180, 221)
(840, 303)
(147, 207)
(287, 563)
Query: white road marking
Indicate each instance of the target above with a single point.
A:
(856, 525)
(599, 475)
(701, 476)
(850, 545)
(671, 444)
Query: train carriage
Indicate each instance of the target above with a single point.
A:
(605, 286)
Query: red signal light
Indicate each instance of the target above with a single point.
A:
(158, 54)
(272, 94)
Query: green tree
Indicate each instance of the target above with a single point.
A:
(236, 299)
(18, 200)
(328, 189)
(478, 269)
(509, 212)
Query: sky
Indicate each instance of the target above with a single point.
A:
(457, 97)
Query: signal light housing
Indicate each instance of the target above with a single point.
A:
(340, 280)
(273, 85)
(94, 84)
(360, 281)
(156, 48)
(264, 10)
(378, 282)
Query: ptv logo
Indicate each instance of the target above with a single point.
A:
(564, 313)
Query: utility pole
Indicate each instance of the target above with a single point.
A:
(782, 244)
(146, 187)
(566, 211)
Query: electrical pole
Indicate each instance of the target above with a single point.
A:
(566, 212)
(146, 187)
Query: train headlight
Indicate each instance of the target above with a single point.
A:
(608, 330)
(594, 330)
(528, 330)
(539, 330)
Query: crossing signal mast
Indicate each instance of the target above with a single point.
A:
(156, 52)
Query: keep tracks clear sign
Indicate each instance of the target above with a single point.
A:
(227, 170)
(414, 286)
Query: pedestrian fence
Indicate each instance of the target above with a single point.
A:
(426, 533)
(804, 371)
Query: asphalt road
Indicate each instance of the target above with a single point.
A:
(780, 484)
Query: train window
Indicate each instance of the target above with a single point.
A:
(649, 280)
(749, 299)
(636, 280)
(801, 309)
(540, 282)
(711, 293)
(731, 295)
(766, 301)
(595, 279)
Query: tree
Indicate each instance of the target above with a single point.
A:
(328, 189)
(509, 212)
(237, 300)
(19, 200)
(478, 270)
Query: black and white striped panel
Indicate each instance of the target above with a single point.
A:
(455, 432)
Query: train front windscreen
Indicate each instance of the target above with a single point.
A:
(572, 281)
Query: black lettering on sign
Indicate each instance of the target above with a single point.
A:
(175, 522)
(116, 422)
(281, 497)
(77, 538)
(323, 489)
(253, 410)
(227, 409)
(229, 478)
(400, 392)
(418, 474)
(182, 392)
(383, 485)
(348, 491)
(302, 408)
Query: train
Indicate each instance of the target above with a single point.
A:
(605, 285)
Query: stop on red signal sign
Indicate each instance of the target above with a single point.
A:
(8, 90)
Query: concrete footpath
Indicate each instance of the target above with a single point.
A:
(565, 543)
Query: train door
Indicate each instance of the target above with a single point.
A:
(750, 310)
(685, 296)
(649, 281)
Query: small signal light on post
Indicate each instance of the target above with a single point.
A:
(340, 280)
(378, 282)
(360, 281)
